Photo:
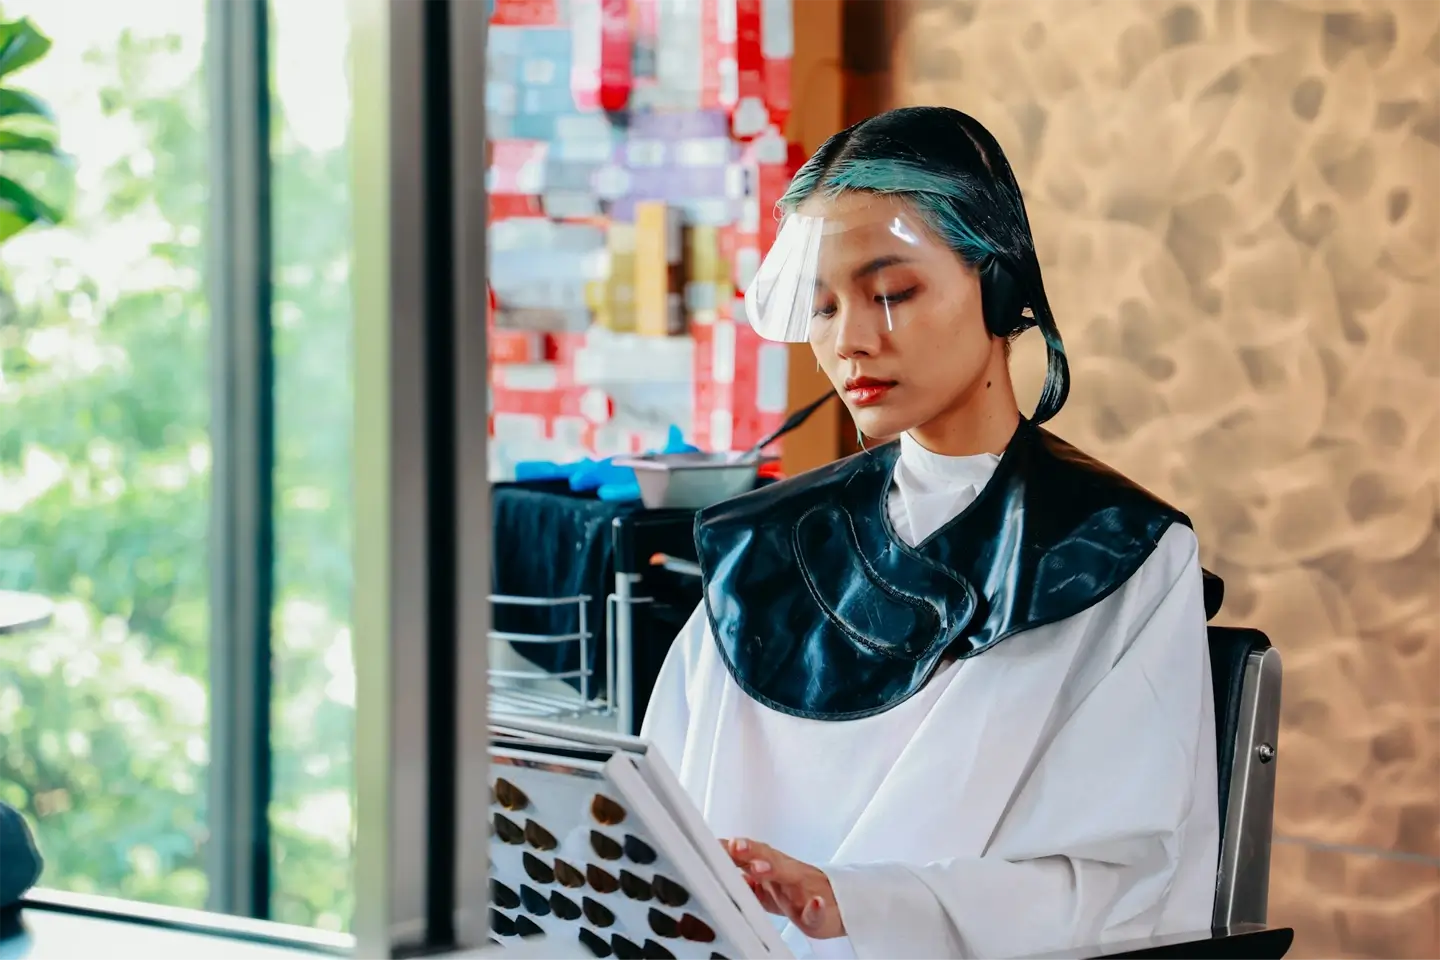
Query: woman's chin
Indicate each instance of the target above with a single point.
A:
(879, 424)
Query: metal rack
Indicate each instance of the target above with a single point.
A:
(519, 691)
(637, 538)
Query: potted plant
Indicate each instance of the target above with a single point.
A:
(27, 128)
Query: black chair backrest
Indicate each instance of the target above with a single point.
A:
(1230, 650)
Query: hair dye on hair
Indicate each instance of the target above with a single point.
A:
(949, 168)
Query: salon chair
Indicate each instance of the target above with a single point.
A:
(1245, 671)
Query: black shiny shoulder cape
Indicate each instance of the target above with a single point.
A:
(821, 611)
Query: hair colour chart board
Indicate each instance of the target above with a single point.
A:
(593, 843)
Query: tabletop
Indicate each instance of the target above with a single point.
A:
(44, 935)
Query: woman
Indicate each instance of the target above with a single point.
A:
(949, 697)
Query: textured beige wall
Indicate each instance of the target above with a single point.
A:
(1237, 206)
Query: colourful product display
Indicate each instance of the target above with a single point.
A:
(634, 163)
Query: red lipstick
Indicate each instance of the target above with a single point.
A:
(863, 391)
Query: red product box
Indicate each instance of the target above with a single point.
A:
(717, 53)
(518, 166)
(560, 349)
(505, 206)
(600, 77)
(524, 13)
(739, 387)
(515, 346)
(749, 116)
(769, 157)
(777, 90)
(616, 81)
(777, 46)
(740, 392)
(584, 403)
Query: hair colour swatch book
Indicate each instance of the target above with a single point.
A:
(594, 843)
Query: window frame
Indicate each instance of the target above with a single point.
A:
(181, 920)
(242, 439)
(422, 509)
(423, 522)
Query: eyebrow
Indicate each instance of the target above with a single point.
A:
(878, 264)
(873, 266)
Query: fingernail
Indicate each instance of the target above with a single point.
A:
(811, 913)
(760, 866)
(741, 845)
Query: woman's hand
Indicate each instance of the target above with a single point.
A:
(788, 887)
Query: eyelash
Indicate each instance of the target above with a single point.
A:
(900, 297)
(888, 299)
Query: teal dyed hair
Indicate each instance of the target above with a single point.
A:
(931, 193)
(949, 168)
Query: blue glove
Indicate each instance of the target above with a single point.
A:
(616, 484)
(536, 471)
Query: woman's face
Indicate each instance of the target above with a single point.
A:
(895, 319)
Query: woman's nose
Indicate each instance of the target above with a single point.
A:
(857, 335)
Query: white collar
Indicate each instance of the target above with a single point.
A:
(970, 470)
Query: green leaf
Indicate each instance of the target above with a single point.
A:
(19, 208)
(20, 45)
(18, 103)
(12, 142)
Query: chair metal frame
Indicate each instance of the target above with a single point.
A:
(1242, 887)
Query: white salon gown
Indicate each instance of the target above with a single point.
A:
(1057, 790)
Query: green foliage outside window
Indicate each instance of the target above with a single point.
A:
(105, 490)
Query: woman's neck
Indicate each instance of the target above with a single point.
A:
(982, 419)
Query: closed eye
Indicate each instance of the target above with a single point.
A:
(890, 299)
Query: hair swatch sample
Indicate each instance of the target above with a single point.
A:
(694, 929)
(539, 837)
(667, 891)
(606, 811)
(596, 944)
(638, 850)
(653, 951)
(568, 876)
(502, 896)
(625, 950)
(600, 879)
(509, 796)
(597, 913)
(534, 901)
(537, 869)
(508, 830)
(525, 927)
(663, 924)
(636, 888)
(501, 924)
(565, 908)
(605, 847)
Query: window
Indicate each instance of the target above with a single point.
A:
(113, 415)
(313, 722)
(104, 462)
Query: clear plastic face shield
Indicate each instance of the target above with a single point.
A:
(860, 260)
